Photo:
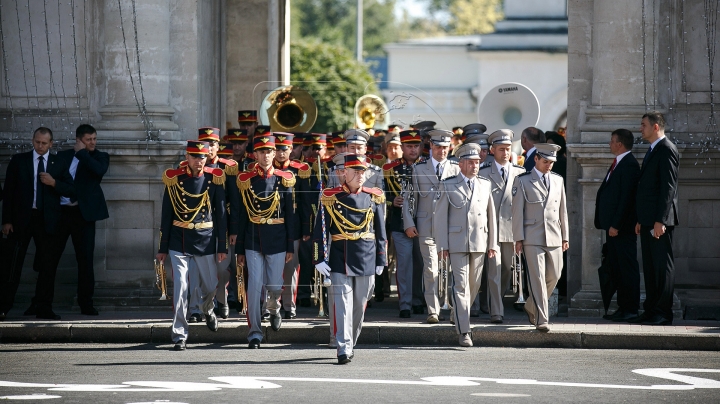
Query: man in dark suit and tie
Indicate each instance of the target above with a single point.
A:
(87, 166)
(615, 213)
(530, 136)
(35, 181)
(657, 200)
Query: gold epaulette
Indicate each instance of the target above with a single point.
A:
(328, 195)
(304, 169)
(218, 175)
(231, 166)
(170, 175)
(376, 194)
(288, 178)
(243, 180)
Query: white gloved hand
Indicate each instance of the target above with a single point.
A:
(379, 270)
(323, 268)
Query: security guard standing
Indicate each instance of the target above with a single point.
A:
(352, 230)
(398, 178)
(267, 243)
(419, 208)
(540, 229)
(501, 174)
(356, 140)
(193, 214)
(465, 231)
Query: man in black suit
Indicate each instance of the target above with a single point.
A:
(530, 136)
(87, 166)
(35, 180)
(615, 213)
(657, 199)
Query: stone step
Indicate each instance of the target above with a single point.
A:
(593, 300)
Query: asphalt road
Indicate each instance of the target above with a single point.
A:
(98, 373)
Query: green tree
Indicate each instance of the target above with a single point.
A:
(466, 17)
(334, 78)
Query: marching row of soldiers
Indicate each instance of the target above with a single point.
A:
(288, 209)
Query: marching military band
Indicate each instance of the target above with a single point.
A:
(297, 216)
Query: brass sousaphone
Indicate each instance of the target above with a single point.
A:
(370, 110)
(288, 109)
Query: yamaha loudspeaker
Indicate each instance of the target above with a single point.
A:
(509, 106)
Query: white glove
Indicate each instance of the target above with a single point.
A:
(323, 268)
(379, 270)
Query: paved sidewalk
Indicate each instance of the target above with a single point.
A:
(382, 326)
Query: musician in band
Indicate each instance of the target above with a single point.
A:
(193, 216)
(267, 242)
(242, 150)
(464, 229)
(356, 140)
(419, 208)
(398, 177)
(501, 174)
(351, 228)
(540, 230)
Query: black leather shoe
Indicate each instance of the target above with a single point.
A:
(638, 319)
(404, 313)
(89, 311)
(179, 346)
(622, 316)
(275, 322)
(289, 315)
(418, 310)
(2, 316)
(265, 317)
(47, 315)
(254, 344)
(352, 355)
(379, 297)
(608, 316)
(195, 318)
(211, 322)
(31, 311)
(657, 320)
(343, 359)
(222, 311)
(305, 302)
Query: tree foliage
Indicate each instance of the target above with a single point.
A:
(465, 17)
(334, 78)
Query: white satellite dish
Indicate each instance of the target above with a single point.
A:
(509, 106)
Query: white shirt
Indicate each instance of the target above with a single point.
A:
(435, 164)
(466, 179)
(35, 170)
(617, 161)
(505, 168)
(653, 144)
(73, 169)
(546, 176)
(531, 151)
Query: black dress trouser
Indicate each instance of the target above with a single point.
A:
(659, 272)
(625, 271)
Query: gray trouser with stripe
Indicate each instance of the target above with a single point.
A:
(544, 269)
(499, 276)
(222, 273)
(351, 294)
(428, 250)
(263, 270)
(184, 267)
(466, 273)
(291, 274)
(404, 273)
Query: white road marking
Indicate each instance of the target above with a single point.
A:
(499, 395)
(30, 397)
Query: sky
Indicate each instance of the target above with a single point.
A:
(415, 8)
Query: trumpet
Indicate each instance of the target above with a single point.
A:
(517, 280)
(444, 275)
(317, 291)
(242, 291)
(161, 279)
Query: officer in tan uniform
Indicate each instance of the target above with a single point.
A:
(501, 174)
(540, 229)
(418, 208)
(464, 225)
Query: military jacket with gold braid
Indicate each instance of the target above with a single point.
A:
(232, 197)
(267, 217)
(193, 211)
(354, 231)
(396, 174)
(312, 185)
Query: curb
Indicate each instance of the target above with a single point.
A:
(372, 334)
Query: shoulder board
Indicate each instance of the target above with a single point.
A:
(377, 195)
(217, 173)
(554, 173)
(170, 176)
(449, 178)
(420, 162)
(311, 160)
(390, 165)
(518, 166)
(374, 167)
(485, 165)
(288, 178)
(483, 178)
(231, 166)
(183, 163)
(375, 156)
(525, 173)
(243, 179)
(326, 159)
(453, 161)
(227, 162)
(328, 195)
(303, 168)
(332, 191)
(251, 166)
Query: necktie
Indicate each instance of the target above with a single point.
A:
(612, 167)
(469, 182)
(39, 184)
(647, 154)
(545, 182)
(437, 171)
(502, 173)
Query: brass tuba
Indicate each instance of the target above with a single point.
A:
(161, 279)
(370, 110)
(288, 109)
(241, 289)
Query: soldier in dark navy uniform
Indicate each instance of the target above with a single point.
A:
(193, 214)
(239, 140)
(398, 178)
(351, 230)
(266, 244)
(297, 146)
